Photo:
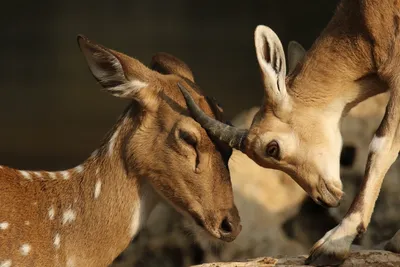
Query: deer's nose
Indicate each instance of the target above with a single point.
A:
(230, 226)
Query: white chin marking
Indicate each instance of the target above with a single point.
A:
(377, 144)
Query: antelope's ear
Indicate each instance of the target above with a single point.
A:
(168, 64)
(119, 74)
(296, 53)
(271, 59)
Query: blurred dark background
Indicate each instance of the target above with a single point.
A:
(51, 110)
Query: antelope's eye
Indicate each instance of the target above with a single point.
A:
(272, 150)
(190, 139)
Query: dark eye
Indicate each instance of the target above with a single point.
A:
(188, 138)
(272, 150)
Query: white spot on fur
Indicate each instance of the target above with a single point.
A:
(27, 223)
(377, 144)
(1, 167)
(25, 249)
(65, 175)
(6, 263)
(94, 153)
(51, 213)
(71, 262)
(34, 203)
(4, 225)
(52, 175)
(69, 216)
(97, 189)
(38, 174)
(57, 240)
(112, 142)
(79, 169)
(97, 171)
(26, 175)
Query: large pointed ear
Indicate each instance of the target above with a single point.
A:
(296, 53)
(168, 64)
(119, 74)
(271, 59)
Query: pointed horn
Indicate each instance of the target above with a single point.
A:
(230, 135)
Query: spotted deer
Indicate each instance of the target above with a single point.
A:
(296, 129)
(87, 215)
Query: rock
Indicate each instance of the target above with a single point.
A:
(372, 258)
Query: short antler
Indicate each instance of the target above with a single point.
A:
(231, 135)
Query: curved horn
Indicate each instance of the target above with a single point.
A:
(230, 135)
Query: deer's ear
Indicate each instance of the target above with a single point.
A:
(120, 75)
(271, 59)
(168, 64)
(296, 53)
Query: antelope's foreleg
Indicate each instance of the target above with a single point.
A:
(334, 247)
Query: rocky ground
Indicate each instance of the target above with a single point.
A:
(277, 217)
(370, 258)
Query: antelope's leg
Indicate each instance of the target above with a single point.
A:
(334, 247)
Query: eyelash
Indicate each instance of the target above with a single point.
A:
(188, 138)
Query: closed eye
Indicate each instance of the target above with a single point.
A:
(190, 139)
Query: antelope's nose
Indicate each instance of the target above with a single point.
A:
(330, 194)
(230, 226)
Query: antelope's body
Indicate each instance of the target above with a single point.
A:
(87, 215)
(297, 128)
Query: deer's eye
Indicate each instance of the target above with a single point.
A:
(273, 150)
(190, 139)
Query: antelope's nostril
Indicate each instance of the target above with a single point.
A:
(226, 227)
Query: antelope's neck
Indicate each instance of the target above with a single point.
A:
(83, 216)
(339, 70)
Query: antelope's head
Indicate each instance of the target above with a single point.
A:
(289, 134)
(162, 143)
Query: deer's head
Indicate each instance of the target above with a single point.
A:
(288, 134)
(162, 143)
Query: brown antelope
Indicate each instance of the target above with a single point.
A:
(297, 127)
(87, 215)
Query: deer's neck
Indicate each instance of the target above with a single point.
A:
(339, 69)
(83, 216)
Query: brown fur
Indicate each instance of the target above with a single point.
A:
(149, 161)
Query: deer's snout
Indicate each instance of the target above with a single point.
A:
(329, 194)
(230, 226)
